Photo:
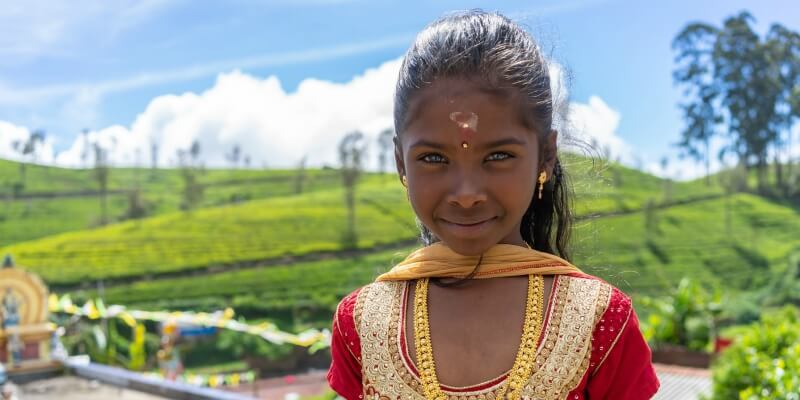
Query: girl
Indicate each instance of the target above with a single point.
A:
(486, 310)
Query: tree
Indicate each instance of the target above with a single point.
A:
(695, 61)
(84, 147)
(785, 47)
(234, 156)
(192, 189)
(351, 151)
(101, 172)
(195, 152)
(386, 143)
(153, 155)
(650, 220)
(137, 207)
(667, 179)
(28, 150)
(741, 84)
(300, 176)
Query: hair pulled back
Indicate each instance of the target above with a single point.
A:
(498, 54)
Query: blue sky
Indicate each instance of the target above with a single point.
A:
(65, 66)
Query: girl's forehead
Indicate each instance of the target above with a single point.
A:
(438, 103)
(459, 89)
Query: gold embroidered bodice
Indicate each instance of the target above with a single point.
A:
(561, 360)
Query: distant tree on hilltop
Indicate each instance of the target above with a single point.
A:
(101, 174)
(27, 149)
(351, 151)
(385, 143)
(741, 86)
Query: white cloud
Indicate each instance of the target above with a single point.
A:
(594, 123)
(271, 125)
(12, 137)
(688, 168)
(279, 128)
(79, 102)
(680, 169)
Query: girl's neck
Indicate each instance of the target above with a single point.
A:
(515, 239)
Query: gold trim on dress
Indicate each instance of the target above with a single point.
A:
(522, 366)
(566, 353)
(576, 305)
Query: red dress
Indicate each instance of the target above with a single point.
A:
(590, 347)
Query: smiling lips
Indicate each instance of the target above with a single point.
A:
(468, 228)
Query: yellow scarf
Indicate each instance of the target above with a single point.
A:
(438, 260)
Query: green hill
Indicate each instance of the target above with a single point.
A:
(689, 242)
(639, 232)
(215, 236)
(277, 224)
(58, 200)
(734, 243)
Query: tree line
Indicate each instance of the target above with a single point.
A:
(352, 149)
(744, 89)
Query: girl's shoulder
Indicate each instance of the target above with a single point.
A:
(348, 308)
(609, 296)
(616, 340)
(603, 309)
(347, 318)
(348, 303)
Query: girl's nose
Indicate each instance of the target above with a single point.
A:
(468, 192)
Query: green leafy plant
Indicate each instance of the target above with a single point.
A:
(764, 360)
(686, 318)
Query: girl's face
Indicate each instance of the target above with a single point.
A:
(470, 163)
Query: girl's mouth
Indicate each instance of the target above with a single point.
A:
(468, 228)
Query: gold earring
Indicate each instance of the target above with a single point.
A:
(542, 180)
(404, 180)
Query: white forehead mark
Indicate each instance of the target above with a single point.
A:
(467, 122)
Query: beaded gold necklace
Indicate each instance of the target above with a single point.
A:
(525, 355)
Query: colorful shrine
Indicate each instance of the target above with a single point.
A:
(25, 333)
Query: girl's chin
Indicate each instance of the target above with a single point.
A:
(469, 247)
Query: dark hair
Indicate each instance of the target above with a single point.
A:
(493, 51)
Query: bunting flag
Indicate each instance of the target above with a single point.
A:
(211, 380)
(96, 309)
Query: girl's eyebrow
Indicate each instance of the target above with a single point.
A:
(495, 143)
(427, 143)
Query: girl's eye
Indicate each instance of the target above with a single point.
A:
(433, 158)
(499, 156)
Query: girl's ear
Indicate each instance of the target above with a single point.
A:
(549, 153)
(398, 159)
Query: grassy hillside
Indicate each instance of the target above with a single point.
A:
(210, 237)
(689, 241)
(690, 233)
(46, 179)
(276, 225)
(735, 243)
(314, 286)
(58, 200)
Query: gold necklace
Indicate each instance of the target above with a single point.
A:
(525, 355)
